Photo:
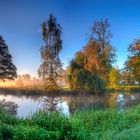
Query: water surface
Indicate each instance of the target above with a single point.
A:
(23, 105)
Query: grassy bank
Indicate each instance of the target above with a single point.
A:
(124, 88)
(30, 91)
(91, 125)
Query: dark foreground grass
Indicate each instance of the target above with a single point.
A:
(91, 125)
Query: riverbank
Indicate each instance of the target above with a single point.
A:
(88, 125)
(38, 91)
(64, 91)
(124, 88)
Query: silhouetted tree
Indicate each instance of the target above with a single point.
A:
(51, 65)
(7, 68)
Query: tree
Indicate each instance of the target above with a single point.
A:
(101, 33)
(126, 77)
(26, 77)
(103, 54)
(51, 65)
(90, 68)
(7, 68)
(81, 78)
(133, 63)
(114, 77)
(92, 60)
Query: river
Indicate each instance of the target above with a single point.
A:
(23, 105)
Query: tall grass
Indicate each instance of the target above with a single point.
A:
(89, 125)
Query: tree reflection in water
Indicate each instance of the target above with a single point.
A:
(9, 106)
(86, 102)
(122, 101)
(50, 103)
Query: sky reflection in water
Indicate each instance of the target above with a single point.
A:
(27, 105)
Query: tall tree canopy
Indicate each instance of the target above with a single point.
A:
(103, 52)
(133, 63)
(101, 32)
(99, 55)
(7, 68)
(51, 65)
(90, 68)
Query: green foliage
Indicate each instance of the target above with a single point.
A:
(80, 78)
(114, 77)
(41, 126)
(34, 133)
(99, 124)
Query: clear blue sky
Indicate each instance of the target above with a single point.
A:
(20, 22)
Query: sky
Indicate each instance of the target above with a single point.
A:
(20, 25)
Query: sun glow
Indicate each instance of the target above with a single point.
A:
(7, 83)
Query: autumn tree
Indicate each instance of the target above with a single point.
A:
(7, 68)
(91, 66)
(92, 61)
(126, 77)
(98, 52)
(51, 65)
(133, 63)
(81, 78)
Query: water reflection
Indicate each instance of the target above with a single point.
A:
(50, 103)
(25, 105)
(122, 101)
(54, 104)
(9, 106)
(84, 102)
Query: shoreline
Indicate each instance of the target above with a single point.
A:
(38, 91)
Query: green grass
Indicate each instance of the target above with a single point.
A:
(90, 125)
